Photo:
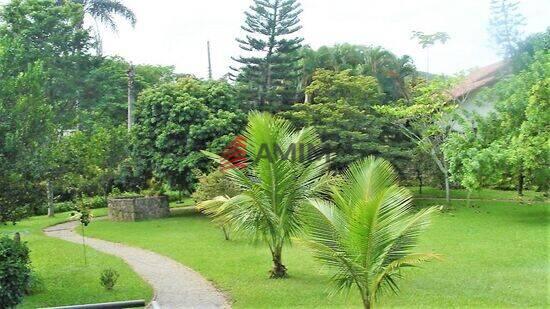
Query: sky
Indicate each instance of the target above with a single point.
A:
(174, 32)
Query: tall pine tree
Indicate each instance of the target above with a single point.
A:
(270, 71)
(505, 25)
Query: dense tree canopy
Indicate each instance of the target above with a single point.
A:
(175, 121)
(340, 109)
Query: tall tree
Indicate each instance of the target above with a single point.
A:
(35, 31)
(270, 73)
(175, 121)
(427, 120)
(427, 41)
(505, 25)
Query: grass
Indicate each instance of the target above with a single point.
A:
(495, 255)
(485, 194)
(60, 266)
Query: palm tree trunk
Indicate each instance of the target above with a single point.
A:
(279, 270)
(366, 302)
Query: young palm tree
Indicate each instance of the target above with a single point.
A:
(276, 184)
(366, 232)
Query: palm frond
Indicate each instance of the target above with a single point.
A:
(368, 231)
(104, 11)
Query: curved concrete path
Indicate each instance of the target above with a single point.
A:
(175, 285)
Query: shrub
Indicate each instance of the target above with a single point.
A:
(14, 271)
(109, 278)
(213, 185)
(95, 202)
(155, 188)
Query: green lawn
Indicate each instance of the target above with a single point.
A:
(486, 194)
(60, 265)
(495, 255)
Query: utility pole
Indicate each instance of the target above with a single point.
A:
(209, 60)
(131, 97)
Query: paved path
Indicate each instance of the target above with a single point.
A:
(175, 285)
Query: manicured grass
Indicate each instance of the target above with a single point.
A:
(486, 194)
(60, 265)
(495, 255)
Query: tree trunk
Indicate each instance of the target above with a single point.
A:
(443, 168)
(521, 180)
(131, 96)
(420, 180)
(279, 270)
(225, 233)
(49, 196)
(366, 303)
(447, 189)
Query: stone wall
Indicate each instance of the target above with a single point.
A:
(138, 208)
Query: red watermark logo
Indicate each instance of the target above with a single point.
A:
(234, 154)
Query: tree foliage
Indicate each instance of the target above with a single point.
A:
(175, 121)
(270, 71)
(340, 110)
(505, 25)
(516, 132)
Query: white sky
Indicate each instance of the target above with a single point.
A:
(174, 32)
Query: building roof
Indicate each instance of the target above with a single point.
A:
(478, 78)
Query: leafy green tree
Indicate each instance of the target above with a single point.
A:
(270, 73)
(26, 129)
(276, 184)
(505, 25)
(175, 121)
(517, 126)
(340, 109)
(471, 162)
(366, 233)
(391, 71)
(105, 95)
(427, 120)
(87, 162)
(40, 31)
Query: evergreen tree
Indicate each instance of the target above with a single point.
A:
(505, 25)
(270, 72)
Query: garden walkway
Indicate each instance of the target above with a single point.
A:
(175, 285)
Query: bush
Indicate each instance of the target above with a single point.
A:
(14, 271)
(213, 185)
(109, 278)
(95, 202)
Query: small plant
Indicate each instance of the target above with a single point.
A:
(109, 278)
(84, 215)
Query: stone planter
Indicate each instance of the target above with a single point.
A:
(138, 208)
